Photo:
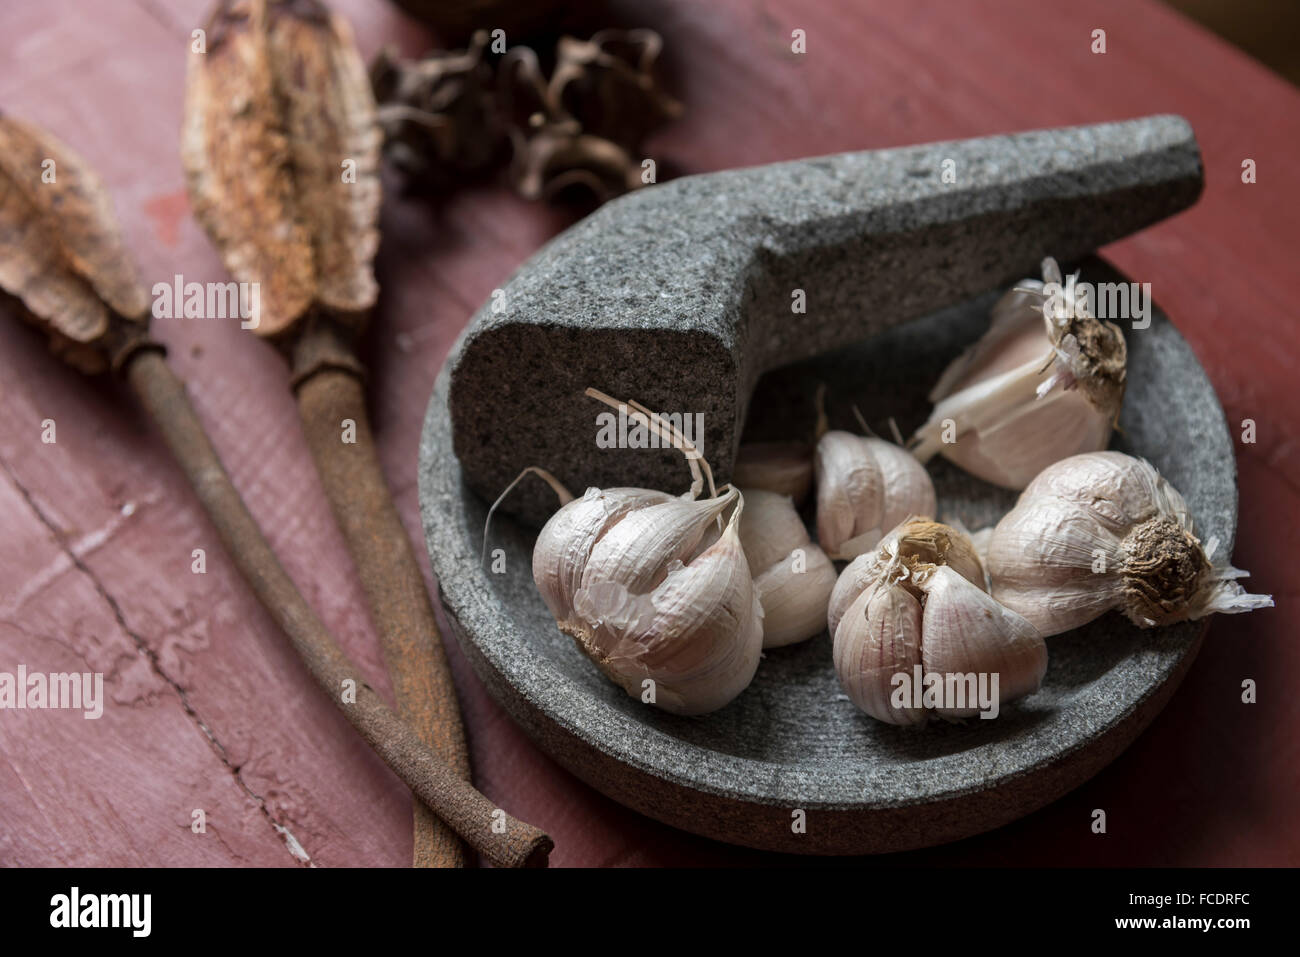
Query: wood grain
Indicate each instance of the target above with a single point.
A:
(216, 712)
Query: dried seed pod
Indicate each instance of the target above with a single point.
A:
(917, 606)
(793, 576)
(1104, 531)
(609, 82)
(1041, 385)
(281, 150)
(865, 486)
(438, 113)
(782, 467)
(61, 250)
(549, 150)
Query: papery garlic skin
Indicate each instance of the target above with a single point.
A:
(1032, 391)
(1104, 531)
(962, 624)
(565, 542)
(865, 487)
(649, 590)
(878, 637)
(782, 467)
(913, 544)
(793, 576)
(919, 600)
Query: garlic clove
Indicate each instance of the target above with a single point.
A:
(1105, 530)
(878, 637)
(915, 605)
(770, 529)
(565, 542)
(850, 490)
(1053, 564)
(637, 549)
(966, 632)
(782, 467)
(794, 594)
(1008, 450)
(1034, 390)
(865, 486)
(1015, 337)
(696, 635)
(793, 576)
(858, 576)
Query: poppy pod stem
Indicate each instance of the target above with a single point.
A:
(505, 841)
(331, 403)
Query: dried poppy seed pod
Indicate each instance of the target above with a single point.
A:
(865, 487)
(667, 614)
(917, 605)
(1036, 388)
(61, 251)
(438, 113)
(283, 82)
(609, 85)
(793, 576)
(1105, 531)
(583, 127)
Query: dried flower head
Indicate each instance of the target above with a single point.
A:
(281, 150)
(550, 152)
(61, 250)
(609, 85)
(438, 114)
(606, 82)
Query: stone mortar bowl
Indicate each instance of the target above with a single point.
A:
(792, 741)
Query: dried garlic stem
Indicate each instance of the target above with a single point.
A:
(562, 493)
(662, 428)
(424, 772)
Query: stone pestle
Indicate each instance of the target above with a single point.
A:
(681, 295)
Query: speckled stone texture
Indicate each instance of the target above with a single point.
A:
(792, 740)
(681, 295)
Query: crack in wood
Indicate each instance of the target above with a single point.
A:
(290, 843)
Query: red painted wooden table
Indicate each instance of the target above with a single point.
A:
(208, 709)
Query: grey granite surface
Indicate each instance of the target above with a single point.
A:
(792, 740)
(680, 295)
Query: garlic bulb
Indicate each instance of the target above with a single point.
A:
(865, 487)
(1104, 530)
(793, 576)
(1044, 383)
(782, 467)
(915, 632)
(653, 588)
